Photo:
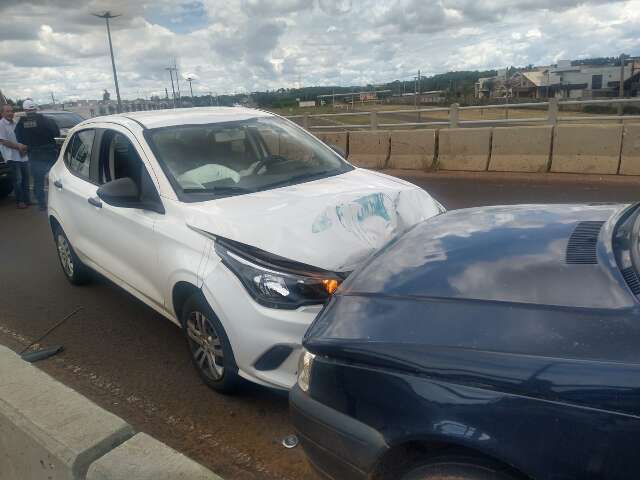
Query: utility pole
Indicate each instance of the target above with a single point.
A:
(173, 88)
(621, 89)
(175, 69)
(107, 15)
(53, 99)
(419, 95)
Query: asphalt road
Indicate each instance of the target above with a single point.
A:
(134, 363)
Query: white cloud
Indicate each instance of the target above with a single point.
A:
(265, 44)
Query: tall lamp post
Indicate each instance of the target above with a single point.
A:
(107, 15)
(190, 79)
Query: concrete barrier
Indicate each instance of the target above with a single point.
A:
(630, 161)
(369, 149)
(521, 149)
(464, 149)
(339, 139)
(291, 149)
(587, 149)
(50, 432)
(272, 140)
(144, 458)
(46, 429)
(412, 149)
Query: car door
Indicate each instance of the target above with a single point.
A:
(74, 187)
(126, 243)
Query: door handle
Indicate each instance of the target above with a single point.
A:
(58, 184)
(95, 201)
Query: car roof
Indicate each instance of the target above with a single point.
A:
(183, 116)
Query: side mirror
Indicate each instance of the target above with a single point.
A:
(338, 150)
(122, 192)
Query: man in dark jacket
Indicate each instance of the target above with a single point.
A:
(39, 134)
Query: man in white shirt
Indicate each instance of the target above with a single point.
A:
(14, 154)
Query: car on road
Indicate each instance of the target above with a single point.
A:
(487, 343)
(234, 223)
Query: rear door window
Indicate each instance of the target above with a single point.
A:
(77, 156)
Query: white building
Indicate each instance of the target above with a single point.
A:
(564, 80)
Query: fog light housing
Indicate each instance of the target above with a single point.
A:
(305, 365)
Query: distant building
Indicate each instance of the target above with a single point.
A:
(306, 103)
(563, 80)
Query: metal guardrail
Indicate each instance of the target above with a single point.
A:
(552, 118)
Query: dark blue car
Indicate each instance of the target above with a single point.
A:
(488, 343)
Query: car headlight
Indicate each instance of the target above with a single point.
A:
(278, 287)
(305, 365)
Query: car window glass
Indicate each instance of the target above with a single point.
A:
(241, 156)
(118, 158)
(78, 153)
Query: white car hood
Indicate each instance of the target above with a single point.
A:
(333, 223)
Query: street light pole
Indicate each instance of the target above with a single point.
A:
(190, 79)
(107, 15)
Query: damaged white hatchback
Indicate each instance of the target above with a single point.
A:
(235, 224)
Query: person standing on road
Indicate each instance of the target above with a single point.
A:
(14, 154)
(39, 134)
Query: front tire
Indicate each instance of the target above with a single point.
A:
(209, 346)
(76, 272)
(453, 467)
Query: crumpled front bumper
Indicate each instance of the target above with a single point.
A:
(337, 445)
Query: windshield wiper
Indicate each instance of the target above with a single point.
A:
(218, 190)
(304, 176)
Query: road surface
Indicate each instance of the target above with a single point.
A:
(131, 361)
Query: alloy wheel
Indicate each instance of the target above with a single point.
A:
(64, 252)
(206, 346)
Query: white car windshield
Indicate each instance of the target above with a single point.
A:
(233, 158)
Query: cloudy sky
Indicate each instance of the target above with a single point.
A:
(248, 45)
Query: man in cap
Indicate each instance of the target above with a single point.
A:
(14, 154)
(39, 134)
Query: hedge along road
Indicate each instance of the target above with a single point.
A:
(134, 363)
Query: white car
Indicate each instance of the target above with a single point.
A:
(234, 223)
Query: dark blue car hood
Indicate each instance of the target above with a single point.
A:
(506, 253)
(486, 297)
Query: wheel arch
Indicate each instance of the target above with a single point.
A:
(54, 223)
(407, 454)
(180, 292)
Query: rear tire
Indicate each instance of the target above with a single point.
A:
(209, 346)
(454, 467)
(76, 272)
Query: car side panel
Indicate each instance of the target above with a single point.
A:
(70, 202)
(532, 435)
(182, 253)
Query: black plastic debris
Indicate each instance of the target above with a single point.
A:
(42, 354)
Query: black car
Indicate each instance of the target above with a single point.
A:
(499, 342)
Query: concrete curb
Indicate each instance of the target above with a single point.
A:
(145, 458)
(49, 431)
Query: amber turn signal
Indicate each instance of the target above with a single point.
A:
(330, 285)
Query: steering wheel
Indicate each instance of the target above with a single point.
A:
(267, 161)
